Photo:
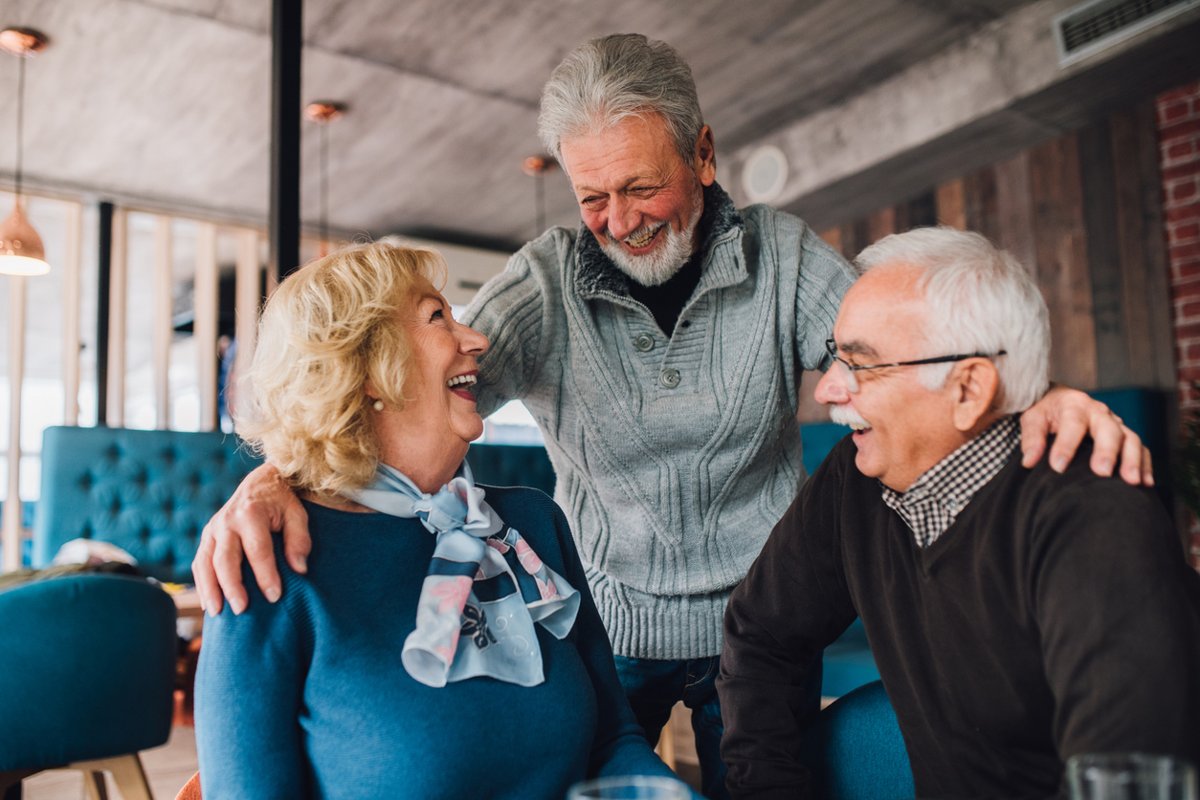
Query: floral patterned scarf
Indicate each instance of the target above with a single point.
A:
(484, 590)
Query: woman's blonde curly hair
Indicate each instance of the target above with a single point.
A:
(330, 327)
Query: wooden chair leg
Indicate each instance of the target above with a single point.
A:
(666, 745)
(94, 786)
(127, 773)
(131, 778)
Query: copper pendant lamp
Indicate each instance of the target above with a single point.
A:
(536, 167)
(324, 112)
(21, 250)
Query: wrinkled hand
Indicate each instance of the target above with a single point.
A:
(1070, 414)
(262, 503)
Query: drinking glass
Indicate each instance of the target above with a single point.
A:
(633, 787)
(1130, 776)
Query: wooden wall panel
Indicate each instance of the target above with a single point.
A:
(855, 236)
(1139, 221)
(979, 203)
(950, 204)
(880, 224)
(1014, 210)
(1062, 269)
(917, 212)
(1103, 255)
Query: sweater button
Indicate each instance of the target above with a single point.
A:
(644, 342)
(669, 378)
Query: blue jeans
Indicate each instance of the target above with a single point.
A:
(653, 687)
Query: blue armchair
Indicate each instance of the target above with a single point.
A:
(148, 492)
(860, 751)
(87, 663)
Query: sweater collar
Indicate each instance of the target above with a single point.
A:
(596, 274)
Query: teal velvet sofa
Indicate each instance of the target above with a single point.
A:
(147, 492)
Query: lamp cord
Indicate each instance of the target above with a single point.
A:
(20, 121)
(324, 184)
(539, 204)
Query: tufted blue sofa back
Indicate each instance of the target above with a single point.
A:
(512, 465)
(148, 492)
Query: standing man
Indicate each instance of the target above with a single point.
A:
(659, 347)
(1018, 617)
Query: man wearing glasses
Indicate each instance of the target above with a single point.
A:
(1017, 617)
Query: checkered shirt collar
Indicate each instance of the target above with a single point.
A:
(932, 503)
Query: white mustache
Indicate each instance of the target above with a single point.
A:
(844, 415)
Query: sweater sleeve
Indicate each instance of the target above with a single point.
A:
(824, 279)
(249, 690)
(619, 746)
(792, 603)
(511, 310)
(1118, 611)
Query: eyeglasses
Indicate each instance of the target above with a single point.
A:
(852, 381)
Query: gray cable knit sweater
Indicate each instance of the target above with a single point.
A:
(675, 456)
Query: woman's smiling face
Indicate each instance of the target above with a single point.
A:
(440, 409)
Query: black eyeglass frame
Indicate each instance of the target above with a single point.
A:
(831, 348)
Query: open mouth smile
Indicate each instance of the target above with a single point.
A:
(642, 238)
(462, 385)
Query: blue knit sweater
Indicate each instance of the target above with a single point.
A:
(307, 697)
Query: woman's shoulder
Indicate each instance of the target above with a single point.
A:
(531, 511)
(520, 500)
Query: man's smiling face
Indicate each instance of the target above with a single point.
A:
(637, 195)
(901, 427)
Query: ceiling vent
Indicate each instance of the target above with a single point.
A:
(1097, 25)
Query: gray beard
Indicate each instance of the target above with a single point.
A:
(657, 267)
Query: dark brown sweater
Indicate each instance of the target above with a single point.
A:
(1056, 616)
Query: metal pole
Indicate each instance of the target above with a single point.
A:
(287, 42)
(11, 550)
(103, 288)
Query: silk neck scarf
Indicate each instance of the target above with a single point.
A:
(484, 590)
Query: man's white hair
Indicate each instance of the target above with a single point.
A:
(979, 300)
(606, 80)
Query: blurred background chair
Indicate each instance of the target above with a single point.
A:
(859, 751)
(87, 663)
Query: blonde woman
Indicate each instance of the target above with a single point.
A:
(443, 642)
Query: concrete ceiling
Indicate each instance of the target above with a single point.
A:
(165, 103)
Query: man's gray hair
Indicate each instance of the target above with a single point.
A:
(979, 300)
(609, 79)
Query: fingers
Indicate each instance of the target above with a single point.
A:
(260, 552)
(296, 541)
(1072, 427)
(227, 563)
(205, 577)
(1108, 438)
(1135, 460)
(1034, 430)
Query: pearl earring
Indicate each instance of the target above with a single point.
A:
(377, 405)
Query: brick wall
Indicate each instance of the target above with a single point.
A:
(1179, 140)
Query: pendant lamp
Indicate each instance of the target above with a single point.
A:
(21, 250)
(324, 112)
(536, 167)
